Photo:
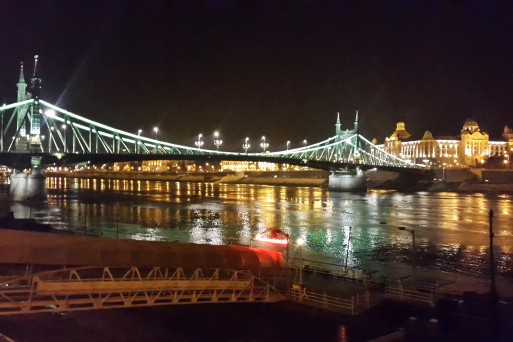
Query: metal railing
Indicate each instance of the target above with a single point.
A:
(90, 288)
(413, 291)
(335, 270)
(352, 305)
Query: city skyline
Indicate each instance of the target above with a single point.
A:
(252, 69)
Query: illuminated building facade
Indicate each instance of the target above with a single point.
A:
(472, 149)
(241, 166)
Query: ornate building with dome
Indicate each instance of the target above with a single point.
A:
(472, 149)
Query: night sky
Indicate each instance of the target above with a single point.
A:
(282, 69)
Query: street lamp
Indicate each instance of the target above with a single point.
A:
(412, 231)
(493, 289)
(246, 145)
(65, 147)
(42, 140)
(305, 142)
(300, 242)
(217, 142)
(156, 130)
(288, 144)
(264, 145)
(50, 136)
(199, 142)
(138, 142)
(347, 250)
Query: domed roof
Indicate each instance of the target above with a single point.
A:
(470, 122)
(427, 136)
(400, 132)
(508, 133)
(470, 126)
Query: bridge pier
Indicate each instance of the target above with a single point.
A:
(28, 187)
(347, 180)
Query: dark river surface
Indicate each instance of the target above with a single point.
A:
(360, 229)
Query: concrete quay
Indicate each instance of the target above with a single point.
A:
(464, 180)
(293, 178)
(435, 307)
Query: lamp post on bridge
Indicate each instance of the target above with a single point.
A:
(217, 141)
(50, 133)
(138, 142)
(288, 144)
(65, 147)
(264, 145)
(199, 143)
(156, 130)
(412, 232)
(246, 145)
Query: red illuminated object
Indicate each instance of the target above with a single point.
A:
(273, 235)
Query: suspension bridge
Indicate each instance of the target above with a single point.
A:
(65, 137)
(36, 128)
(36, 133)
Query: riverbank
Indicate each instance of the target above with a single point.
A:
(293, 178)
(470, 187)
(441, 180)
(452, 181)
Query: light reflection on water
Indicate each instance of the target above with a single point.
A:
(451, 229)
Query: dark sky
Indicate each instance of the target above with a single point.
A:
(282, 69)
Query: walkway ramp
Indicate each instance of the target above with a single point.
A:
(89, 288)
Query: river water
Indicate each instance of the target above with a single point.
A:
(354, 230)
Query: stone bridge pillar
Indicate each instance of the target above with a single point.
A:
(28, 187)
(350, 180)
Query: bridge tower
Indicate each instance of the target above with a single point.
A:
(35, 115)
(356, 123)
(350, 178)
(338, 132)
(348, 132)
(29, 115)
(21, 112)
(28, 186)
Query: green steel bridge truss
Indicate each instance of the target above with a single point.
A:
(62, 132)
